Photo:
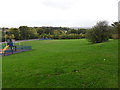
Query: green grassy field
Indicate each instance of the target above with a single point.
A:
(63, 64)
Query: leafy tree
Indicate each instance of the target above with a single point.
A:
(58, 32)
(15, 32)
(73, 31)
(33, 33)
(81, 31)
(48, 31)
(99, 33)
(4, 33)
(45, 30)
(24, 31)
(40, 31)
(10, 36)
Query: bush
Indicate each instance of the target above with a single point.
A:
(63, 36)
(99, 33)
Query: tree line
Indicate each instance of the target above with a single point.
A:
(101, 32)
(24, 33)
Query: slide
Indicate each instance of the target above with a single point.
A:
(5, 48)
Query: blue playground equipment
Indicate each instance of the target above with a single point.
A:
(6, 50)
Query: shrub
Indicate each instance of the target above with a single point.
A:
(99, 33)
(63, 36)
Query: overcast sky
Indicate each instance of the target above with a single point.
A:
(66, 13)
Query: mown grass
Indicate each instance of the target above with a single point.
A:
(63, 64)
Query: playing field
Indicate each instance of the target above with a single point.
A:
(63, 64)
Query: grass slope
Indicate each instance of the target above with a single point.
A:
(63, 64)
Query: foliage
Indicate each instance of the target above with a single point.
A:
(15, 32)
(33, 33)
(81, 31)
(99, 33)
(11, 36)
(63, 36)
(24, 32)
